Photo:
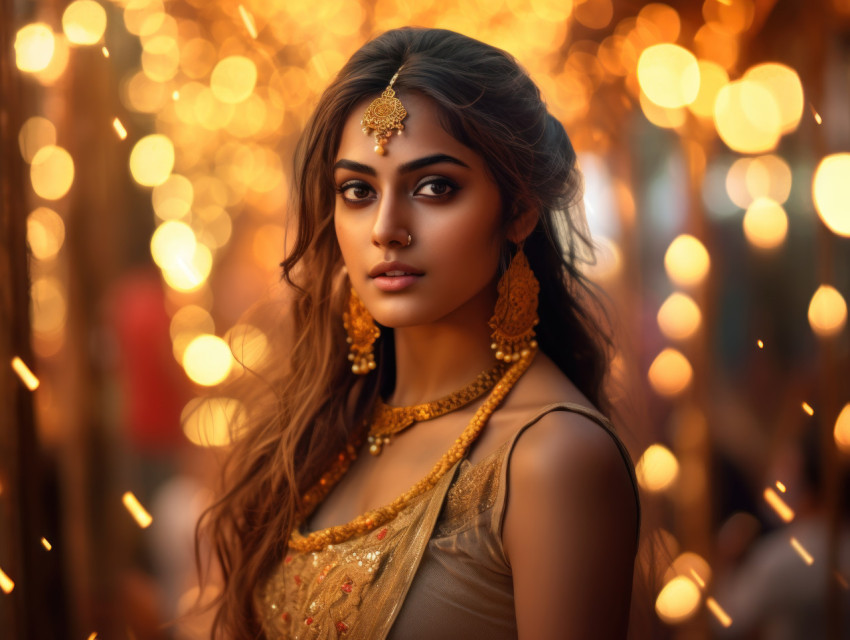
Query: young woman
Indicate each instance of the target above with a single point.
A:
(434, 464)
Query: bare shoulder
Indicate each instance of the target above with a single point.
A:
(568, 465)
(569, 529)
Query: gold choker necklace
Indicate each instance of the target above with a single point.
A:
(370, 520)
(388, 421)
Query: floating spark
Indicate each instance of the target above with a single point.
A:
(92, 636)
(778, 504)
(142, 517)
(119, 129)
(816, 115)
(718, 612)
(46, 544)
(105, 52)
(6, 583)
(760, 344)
(697, 579)
(780, 486)
(24, 373)
(175, 95)
(248, 19)
(808, 408)
(805, 555)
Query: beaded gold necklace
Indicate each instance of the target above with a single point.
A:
(388, 421)
(370, 520)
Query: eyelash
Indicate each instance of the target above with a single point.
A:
(359, 184)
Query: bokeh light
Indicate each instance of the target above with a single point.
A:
(45, 233)
(784, 85)
(712, 78)
(657, 468)
(34, 44)
(831, 192)
(207, 360)
(670, 373)
(691, 565)
(49, 306)
(84, 22)
(52, 172)
(678, 600)
(248, 344)
(747, 117)
(765, 224)
(152, 160)
(173, 198)
(669, 75)
(679, 316)
(212, 422)
(827, 311)
(36, 132)
(686, 261)
(233, 79)
(841, 432)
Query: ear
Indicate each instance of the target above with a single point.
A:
(522, 226)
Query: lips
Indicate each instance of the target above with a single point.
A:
(393, 270)
(394, 276)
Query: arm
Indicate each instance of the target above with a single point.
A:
(569, 531)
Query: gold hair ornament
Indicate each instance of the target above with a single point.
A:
(383, 116)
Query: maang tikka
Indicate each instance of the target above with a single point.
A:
(384, 115)
(515, 316)
(361, 333)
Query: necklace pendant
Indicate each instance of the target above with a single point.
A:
(376, 444)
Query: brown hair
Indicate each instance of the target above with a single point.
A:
(487, 102)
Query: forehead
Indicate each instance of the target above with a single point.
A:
(423, 135)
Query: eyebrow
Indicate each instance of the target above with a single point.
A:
(407, 167)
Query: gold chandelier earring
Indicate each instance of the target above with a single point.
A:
(361, 333)
(515, 316)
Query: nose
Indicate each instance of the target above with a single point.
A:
(391, 224)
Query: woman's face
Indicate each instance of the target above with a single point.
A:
(428, 188)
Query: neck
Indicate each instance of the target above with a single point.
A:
(434, 360)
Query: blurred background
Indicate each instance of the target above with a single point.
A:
(146, 153)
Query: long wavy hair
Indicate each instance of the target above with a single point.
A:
(313, 402)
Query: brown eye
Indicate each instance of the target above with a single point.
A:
(436, 188)
(355, 191)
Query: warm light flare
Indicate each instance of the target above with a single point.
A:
(669, 75)
(801, 551)
(827, 312)
(248, 20)
(52, 172)
(760, 344)
(765, 224)
(152, 160)
(841, 432)
(831, 192)
(207, 360)
(46, 544)
(686, 261)
(657, 468)
(781, 508)
(119, 129)
(105, 52)
(233, 79)
(6, 583)
(747, 117)
(84, 22)
(27, 377)
(808, 408)
(34, 46)
(670, 373)
(678, 600)
(139, 513)
(718, 612)
(780, 486)
(679, 317)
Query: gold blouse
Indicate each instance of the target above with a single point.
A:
(438, 570)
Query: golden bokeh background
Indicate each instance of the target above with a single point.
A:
(145, 167)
